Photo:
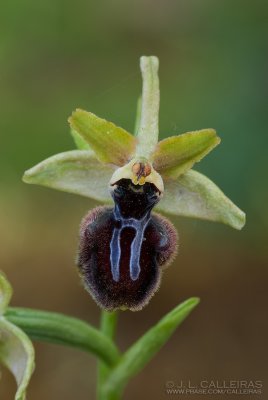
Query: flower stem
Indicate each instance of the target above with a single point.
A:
(61, 329)
(148, 126)
(143, 350)
(107, 328)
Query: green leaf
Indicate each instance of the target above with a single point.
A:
(61, 329)
(175, 155)
(76, 171)
(17, 354)
(80, 143)
(141, 352)
(194, 195)
(16, 350)
(5, 293)
(110, 143)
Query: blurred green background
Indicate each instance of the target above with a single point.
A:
(59, 55)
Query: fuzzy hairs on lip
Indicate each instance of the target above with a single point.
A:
(123, 250)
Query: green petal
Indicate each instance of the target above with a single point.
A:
(175, 155)
(194, 195)
(76, 171)
(5, 293)
(80, 143)
(17, 354)
(141, 352)
(110, 143)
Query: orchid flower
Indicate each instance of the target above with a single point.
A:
(124, 246)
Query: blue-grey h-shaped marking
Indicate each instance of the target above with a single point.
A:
(115, 249)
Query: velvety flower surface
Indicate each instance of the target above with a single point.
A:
(123, 248)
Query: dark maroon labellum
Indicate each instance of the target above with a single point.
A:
(123, 249)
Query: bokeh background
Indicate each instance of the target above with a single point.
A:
(58, 55)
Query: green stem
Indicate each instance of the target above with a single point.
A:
(61, 329)
(148, 127)
(107, 327)
(143, 350)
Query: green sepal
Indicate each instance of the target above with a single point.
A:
(148, 109)
(110, 143)
(142, 351)
(175, 155)
(138, 117)
(194, 195)
(75, 171)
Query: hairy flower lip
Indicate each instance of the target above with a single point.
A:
(118, 288)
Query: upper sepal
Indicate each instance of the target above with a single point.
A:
(175, 155)
(110, 143)
(16, 349)
(194, 195)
